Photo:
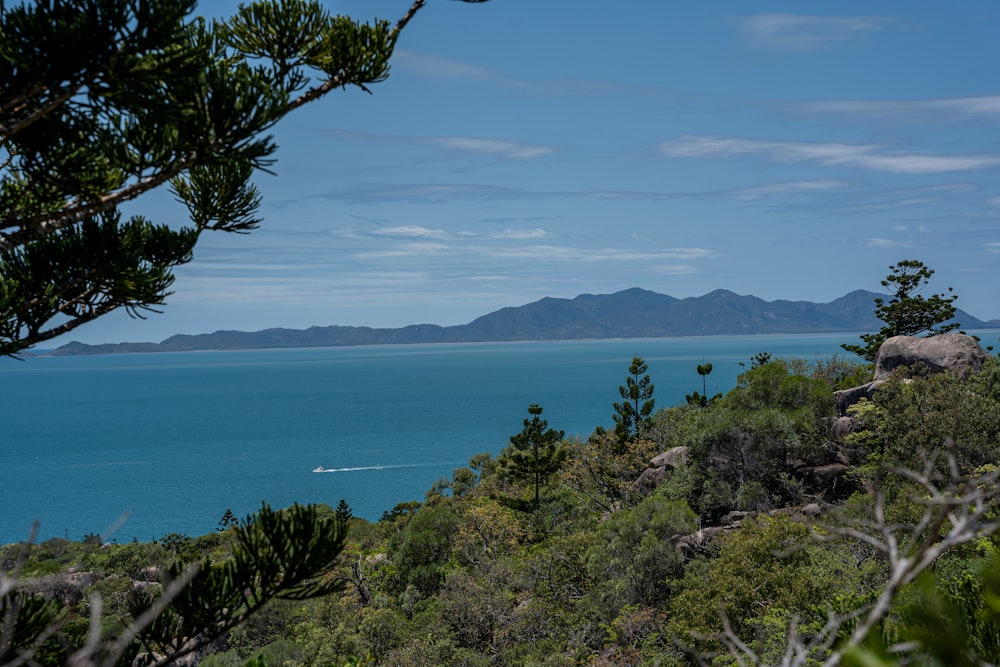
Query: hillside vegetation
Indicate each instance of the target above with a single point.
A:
(766, 536)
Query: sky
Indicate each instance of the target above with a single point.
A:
(523, 149)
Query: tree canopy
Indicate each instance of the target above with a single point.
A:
(908, 313)
(634, 413)
(535, 453)
(102, 101)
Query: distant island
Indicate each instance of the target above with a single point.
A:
(632, 313)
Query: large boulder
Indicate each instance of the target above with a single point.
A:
(845, 398)
(675, 457)
(944, 353)
(651, 477)
(948, 352)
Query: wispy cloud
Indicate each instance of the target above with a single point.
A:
(830, 154)
(507, 149)
(674, 269)
(546, 252)
(993, 247)
(446, 68)
(519, 234)
(407, 250)
(888, 243)
(294, 288)
(787, 188)
(527, 218)
(443, 68)
(412, 231)
(956, 108)
(421, 193)
(568, 253)
(801, 32)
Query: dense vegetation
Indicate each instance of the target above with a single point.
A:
(766, 535)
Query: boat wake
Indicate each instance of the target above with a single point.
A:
(388, 466)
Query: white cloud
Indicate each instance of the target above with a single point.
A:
(519, 234)
(412, 231)
(508, 149)
(442, 68)
(566, 253)
(790, 187)
(507, 234)
(888, 243)
(675, 269)
(421, 192)
(407, 250)
(993, 201)
(291, 289)
(987, 106)
(800, 32)
(829, 154)
(992, 247)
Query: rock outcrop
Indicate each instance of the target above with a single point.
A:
(950, 352)
(658, 466)
(944, 353)
(67, 588)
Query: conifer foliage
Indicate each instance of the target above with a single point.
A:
(534, 454)
(286, 554)
(634, 414)
(102, 101)
(908, 313)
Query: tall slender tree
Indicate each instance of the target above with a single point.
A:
(701, 400)
(634, 414)
(703, 371)
(534, 454)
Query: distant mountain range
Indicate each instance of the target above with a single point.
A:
(633, 313)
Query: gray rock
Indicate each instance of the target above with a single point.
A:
(736, 517)
(949, 352)
(830, 480)
(698, 542)
(844, 426)
(650, 479)
(66, 588)
(658, 466)
(812, 509)
(675, 457)
(847, 397)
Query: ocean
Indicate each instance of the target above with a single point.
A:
(140, 446)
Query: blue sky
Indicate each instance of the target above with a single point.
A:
(523, 149)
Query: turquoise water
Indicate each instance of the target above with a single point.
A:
(138, 446)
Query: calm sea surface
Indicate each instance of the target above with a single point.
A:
(150, 444)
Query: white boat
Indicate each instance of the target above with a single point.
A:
(319, 469)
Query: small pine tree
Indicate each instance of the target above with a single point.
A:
(228, 519)
(535, 453)
(343, 511)
(635, 413)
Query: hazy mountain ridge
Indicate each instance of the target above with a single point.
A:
(632, 313)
